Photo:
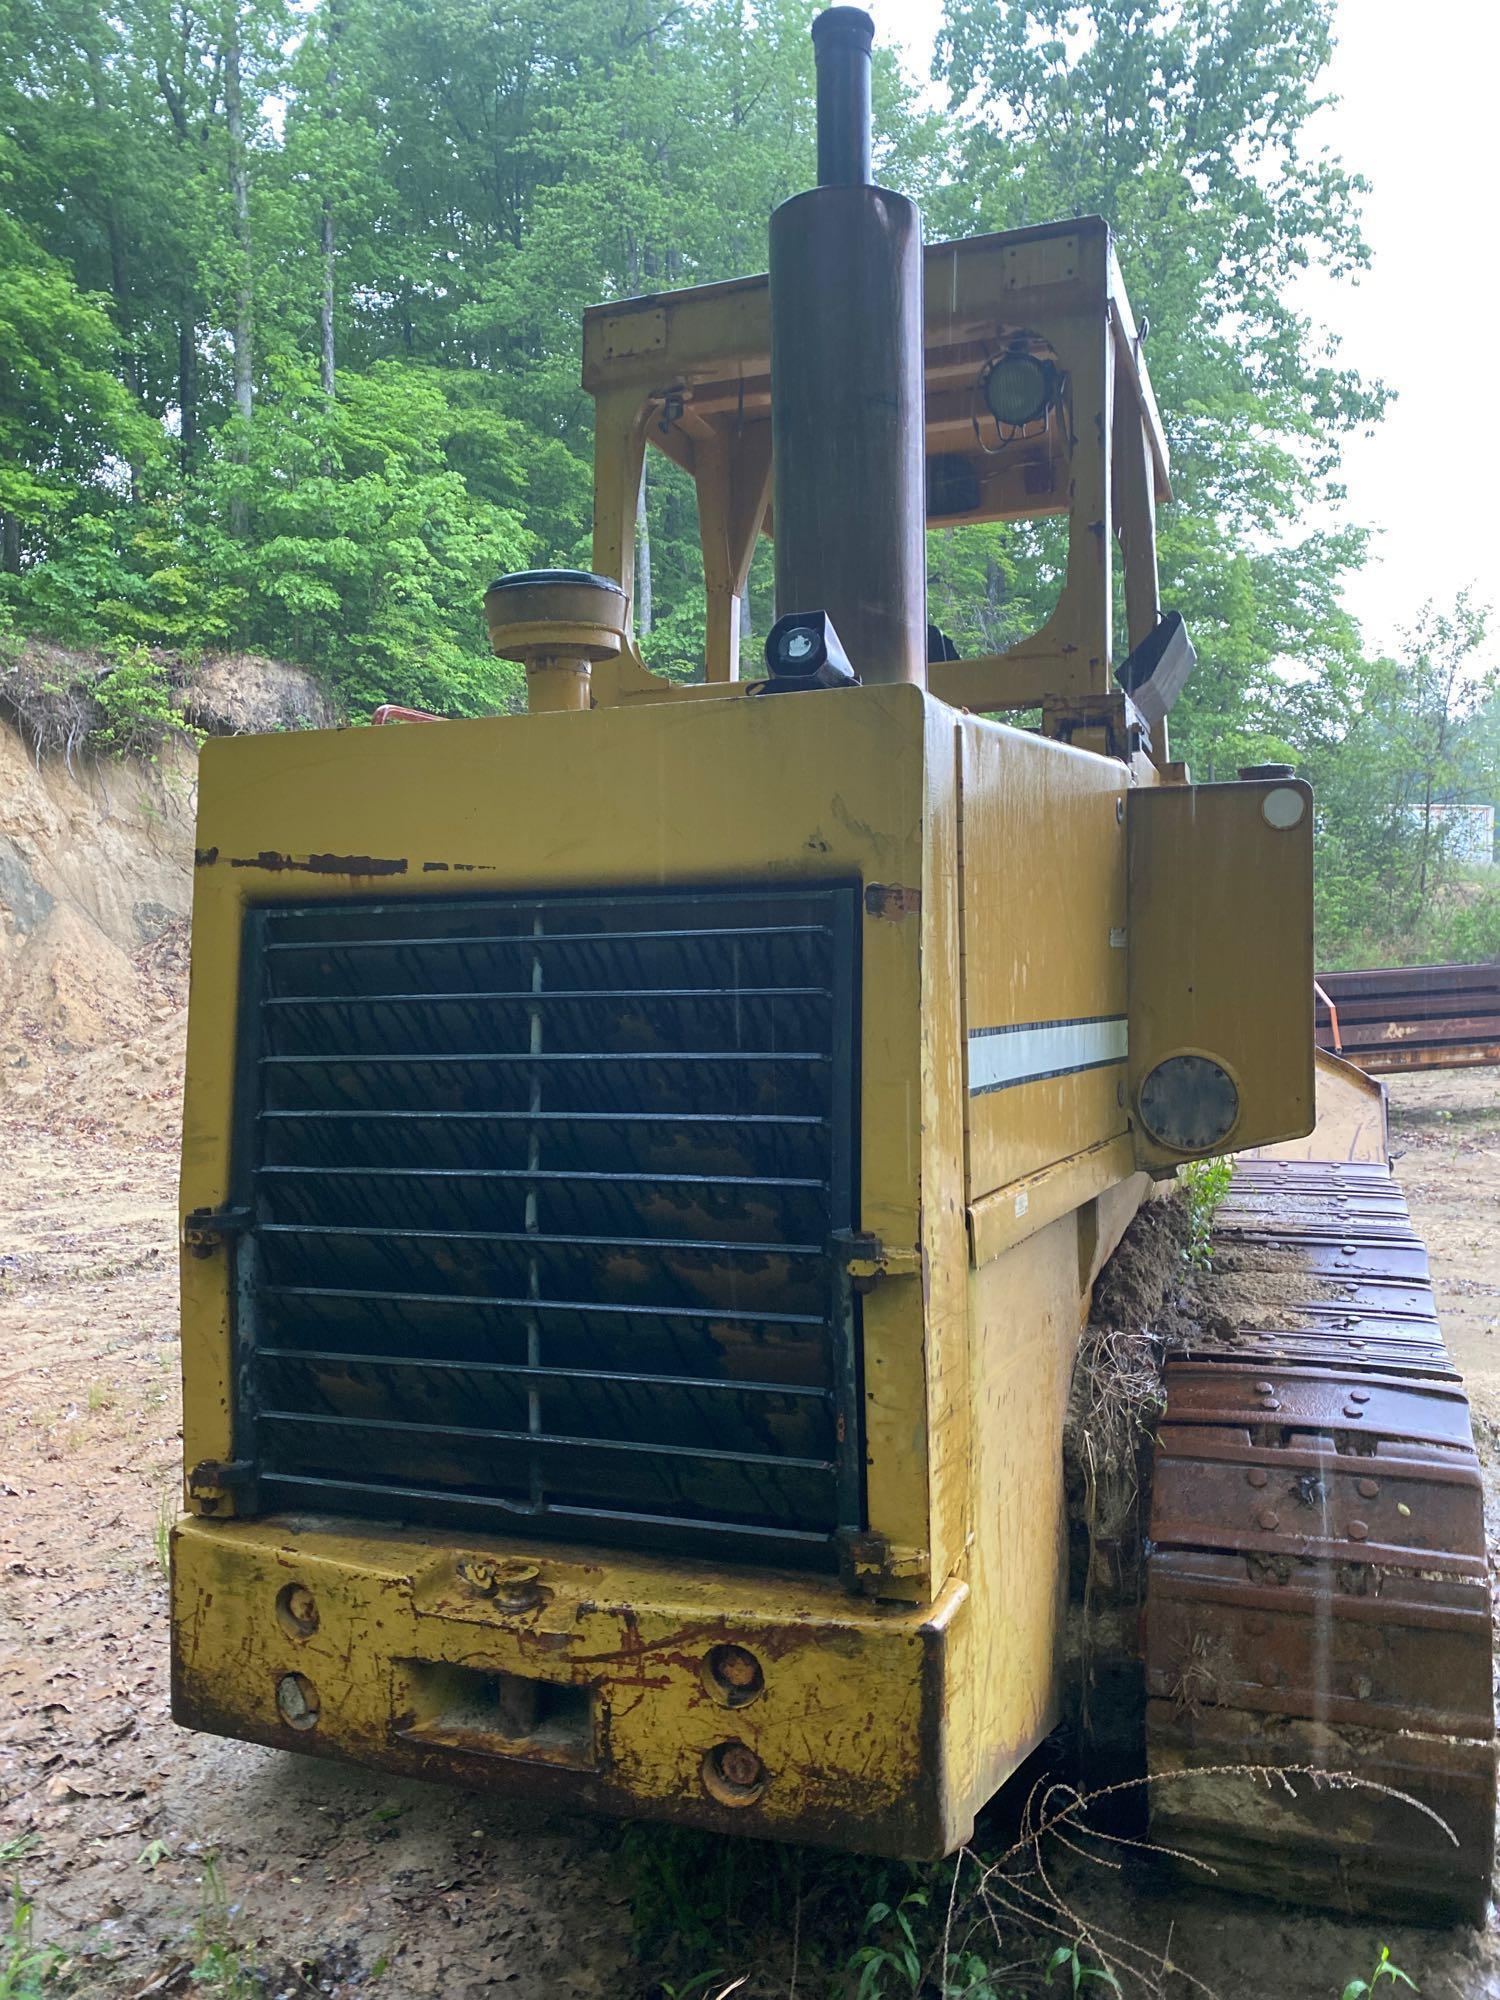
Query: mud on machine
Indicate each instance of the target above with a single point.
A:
(646, 1160)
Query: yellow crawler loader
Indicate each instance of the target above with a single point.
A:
(646, 1160)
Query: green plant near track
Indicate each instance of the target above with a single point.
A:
(1385, 1973)
(1204, 1184)
(218, 1970)
(1078, 1975)
(27, 1969)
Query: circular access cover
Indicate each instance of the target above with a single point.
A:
(1189, 1103)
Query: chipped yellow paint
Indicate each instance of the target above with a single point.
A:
(845, 1726)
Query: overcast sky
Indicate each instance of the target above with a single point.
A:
(1419, 118)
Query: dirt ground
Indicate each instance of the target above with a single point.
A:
(162, 1863)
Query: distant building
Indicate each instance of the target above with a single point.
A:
(1467, 832)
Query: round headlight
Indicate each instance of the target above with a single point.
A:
(1018, 390)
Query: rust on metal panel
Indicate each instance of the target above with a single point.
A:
(891, 900)
(273, 863)
(1316, 1399)
(1406, 1351)
(1413, 1017)
(1475, 1054)
(1317, 1584)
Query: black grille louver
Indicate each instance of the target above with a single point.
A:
(543, 1193)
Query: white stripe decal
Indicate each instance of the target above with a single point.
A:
(999, 1058)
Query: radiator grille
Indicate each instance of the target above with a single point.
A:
(541, 1196)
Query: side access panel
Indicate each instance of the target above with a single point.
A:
(1221, 967)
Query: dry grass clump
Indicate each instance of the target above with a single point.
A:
(1034, 1889)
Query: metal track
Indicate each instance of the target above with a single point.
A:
(1317, 1584)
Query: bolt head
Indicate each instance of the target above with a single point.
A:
(1257, 1475)
(297, 1611)
(734, 1665)
(740, 1765)
(733, 1675)
(479, 1575)
(297, 1701)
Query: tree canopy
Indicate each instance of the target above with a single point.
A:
(289, 301)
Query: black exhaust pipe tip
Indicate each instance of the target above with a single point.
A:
(842, 39)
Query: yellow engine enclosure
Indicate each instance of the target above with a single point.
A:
(996, 873)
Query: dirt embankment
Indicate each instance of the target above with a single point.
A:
(96, 879)
(95, 887)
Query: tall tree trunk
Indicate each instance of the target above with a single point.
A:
(642, 561)
(119, 269)
(187, 384)
(327, 312)
(244, 308)
(10, 544)
(335, 19)
(120, 284)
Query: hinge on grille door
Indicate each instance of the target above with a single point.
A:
(876, 1567)
(865, 1258)
(213, 1481)
(205, 1230)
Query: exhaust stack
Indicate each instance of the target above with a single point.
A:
(847, 383)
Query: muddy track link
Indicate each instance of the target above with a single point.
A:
(1317, 1581)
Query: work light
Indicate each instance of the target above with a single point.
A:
(803, 650)
(1018, 389)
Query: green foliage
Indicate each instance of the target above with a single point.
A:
(369, 554)
(1183, 125)
(1204, 1184)
(1079, 1975)
(1385, 1973)
(893, 1950)
(27, 1969)
(404, 284)
(703, 1910)
(136, 705)
(1408, 735)
(989, 588)
(218, 1971)
(63, 414)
